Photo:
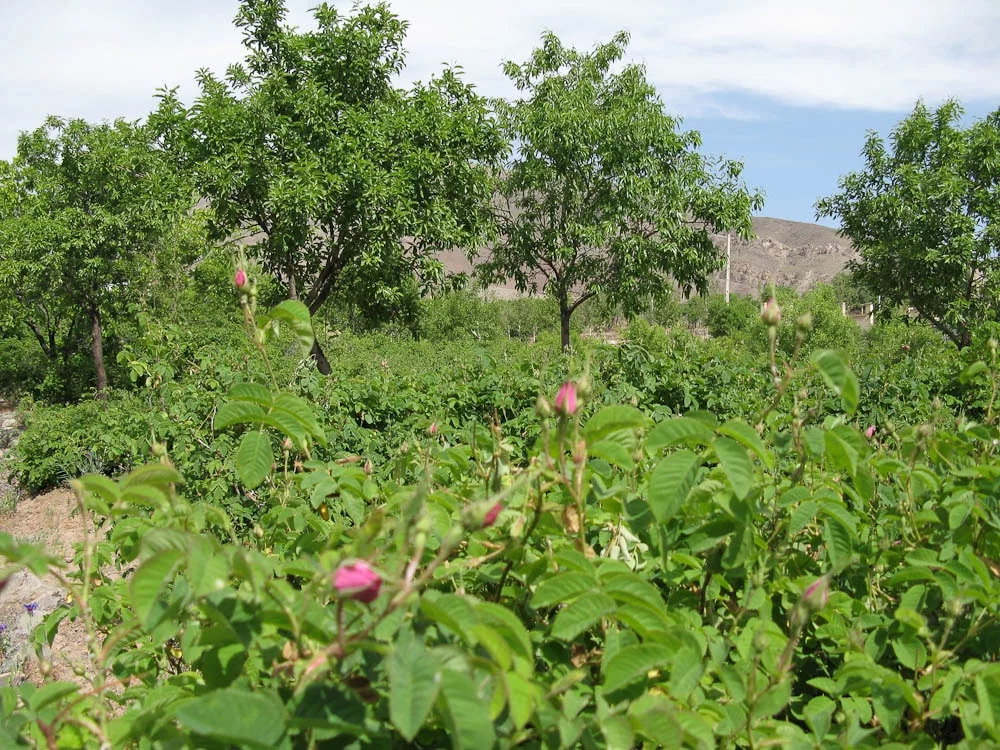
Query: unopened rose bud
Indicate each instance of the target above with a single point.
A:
(433, 429)
(287, 444)
(240, 279)
(584, 387)
(771, 314)
(369, 468)
(491, 515)
(804, 324)
(542, 407)
(870, 431)
(816, 594)
(357, 581)
(565, 402)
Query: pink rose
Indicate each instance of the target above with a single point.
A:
(358, 581)
(870, 431)
(240, 279)
(565, 402)
(433, 429)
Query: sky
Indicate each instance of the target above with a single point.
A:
(790, 87)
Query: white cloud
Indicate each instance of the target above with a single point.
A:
(105, 58)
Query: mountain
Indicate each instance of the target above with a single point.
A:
(789, 253)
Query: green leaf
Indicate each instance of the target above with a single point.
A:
(581, 615)
(148, 582)
(236, 716)
(736, 465)
(612, 418)
(562, 588)
(838, 377)
(521, 698)
(677, 431)
(670, 482)
(632, 663)
(413, 687)
(747, 436)
(238, 412)
(296, 315)
(101, 486)
(468, 721)
(618, 733)
(970, 372)
(614, 453)
(254, 459)
(988, 696)
(252, 392)
(49, 693)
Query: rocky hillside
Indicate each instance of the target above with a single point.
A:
(789, 253)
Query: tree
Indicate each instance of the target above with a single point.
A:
(604, 195)
(350, 183)
(924, 213)
(81, 208)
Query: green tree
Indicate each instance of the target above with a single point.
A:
(346, 182)
(604, 194)
(82, 209)
(925, 215)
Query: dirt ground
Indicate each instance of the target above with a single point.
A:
(51, 520)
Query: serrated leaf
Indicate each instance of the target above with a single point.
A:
(413, 688)
(747, 436)
(521, 698)
(148, 582)
(735, 464)
(252, 392)
(677, 431)
(582, 615)
(238, 412)
(469, 724)
(562, 588)
(236, 716)
(838, 377)
(612, 418)
(614, 453)
(671, 482)
(296, 316)
(632, 663)
(254, 459)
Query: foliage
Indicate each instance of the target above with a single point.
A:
(341, 181)
(925, 215)
(604, 196)
(682, 581)
(81, 207)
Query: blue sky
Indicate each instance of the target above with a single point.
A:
(788, 86)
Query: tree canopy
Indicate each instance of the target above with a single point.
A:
(604, 194)
(351, 183)
(925, 215)
(81, 208)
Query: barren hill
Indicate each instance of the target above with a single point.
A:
(789, 253)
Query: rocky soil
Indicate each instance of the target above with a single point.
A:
(52, 521)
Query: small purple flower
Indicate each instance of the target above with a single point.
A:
(3, 627)
(31, 607)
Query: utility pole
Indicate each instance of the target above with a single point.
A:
(729, 251)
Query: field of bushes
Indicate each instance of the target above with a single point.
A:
(780, 534)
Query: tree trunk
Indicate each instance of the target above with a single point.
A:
(322, 363)
(292, 291)
(98, 351)
(564, 314)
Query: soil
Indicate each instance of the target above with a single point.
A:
(53, 521)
